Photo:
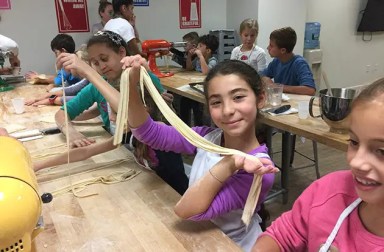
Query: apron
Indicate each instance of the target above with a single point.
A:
(230, 223)
(343, 215)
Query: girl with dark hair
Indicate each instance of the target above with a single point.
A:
(218, 186)
(105, 52)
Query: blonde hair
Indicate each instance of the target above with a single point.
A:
(82, 53)
(251, 24)
(370, 92)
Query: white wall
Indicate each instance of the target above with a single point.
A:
(161, 19)
(32, 24)
(274, 14)
(239, 10)
(345, 55)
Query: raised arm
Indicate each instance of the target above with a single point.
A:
(188, 63)
(72, 62)
(137, 113)
(204, 66)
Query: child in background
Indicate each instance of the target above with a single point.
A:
(218, 186)
(248, 51)
(354, 197)
(287, 68)
(180, 57)
(10, 46)
(105, 50)
(124, 24)
(202, 60)
(106, 13)
(186, 105)
(204, 52)
(56, 97)
(62, 43)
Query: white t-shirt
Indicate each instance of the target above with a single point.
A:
(256, 57)
(7, 44)
(122, 27)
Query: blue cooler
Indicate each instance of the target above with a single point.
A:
(312, 34)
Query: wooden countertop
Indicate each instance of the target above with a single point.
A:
(178, 83)
(134, 215)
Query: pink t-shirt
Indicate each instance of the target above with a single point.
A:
(315, 213)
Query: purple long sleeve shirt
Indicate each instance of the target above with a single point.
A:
(234, 192)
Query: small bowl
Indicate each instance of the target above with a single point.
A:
(335, 109)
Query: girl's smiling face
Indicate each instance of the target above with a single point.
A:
(366, 150)
(233, 104)
(106, 61)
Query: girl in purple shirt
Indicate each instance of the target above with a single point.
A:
(218, 186)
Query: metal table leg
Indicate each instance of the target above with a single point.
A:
(285, 163)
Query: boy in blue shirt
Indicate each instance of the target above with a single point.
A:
(59, 44)
(200, 59)
(204, 61)
(287, 68)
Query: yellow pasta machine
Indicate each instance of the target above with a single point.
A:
(20, 203)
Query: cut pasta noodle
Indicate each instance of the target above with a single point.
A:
(46, 155)
(57, 172)
(190, 135)
(112, 178)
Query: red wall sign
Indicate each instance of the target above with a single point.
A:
(72, 15)
(190, 14)
(5, 4)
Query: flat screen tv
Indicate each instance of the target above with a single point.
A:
(373, 17)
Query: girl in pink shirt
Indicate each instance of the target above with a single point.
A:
(354, 199)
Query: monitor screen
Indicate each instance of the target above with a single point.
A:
(373, 17)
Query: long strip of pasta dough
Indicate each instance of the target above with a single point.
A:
(57, 172)
(112, 178)
(190, 135)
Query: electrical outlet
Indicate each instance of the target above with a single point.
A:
(375, 68)
(367, 68)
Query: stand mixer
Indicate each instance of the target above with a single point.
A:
(8, 79)
(3, 84)
(155, 47)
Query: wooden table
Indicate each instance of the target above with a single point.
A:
(312, 128)
(135, 215)
(178, 83)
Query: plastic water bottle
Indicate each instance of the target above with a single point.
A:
(312, 34)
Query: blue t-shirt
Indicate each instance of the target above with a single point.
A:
(68, 77)
(295, 72)
(211, 62)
